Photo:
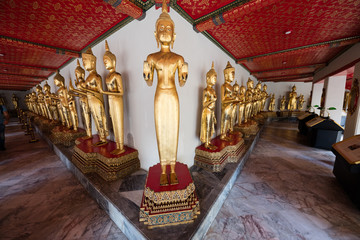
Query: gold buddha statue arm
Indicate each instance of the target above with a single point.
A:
(183, 71)
(120, 92)
(148, 71)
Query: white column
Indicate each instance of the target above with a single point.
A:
(335, 90)
(352, 126)
(316, 95)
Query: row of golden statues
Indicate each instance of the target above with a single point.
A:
(293, 104)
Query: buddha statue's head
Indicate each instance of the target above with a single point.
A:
(46, 87)
(242, 89)
(59, 80)
(264, 88)
(89, 60)
(109, 58)
(294, 88)
(211, 76)
(258, 86)
(38, 89)
(236, 87)
(165, 28)
(250, 83)
(229, 73)
(79, 72)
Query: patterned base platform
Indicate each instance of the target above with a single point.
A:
(215, 160)
(90, 158)
(63, 135)
(46, 125)
(169, 205)
(249, 128)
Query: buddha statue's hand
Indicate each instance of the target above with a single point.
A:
(183, 74)
(147, 73)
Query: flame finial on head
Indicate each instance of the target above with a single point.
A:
(107, 46)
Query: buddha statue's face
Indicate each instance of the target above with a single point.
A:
(230, 76)
(109, 63)
(265, 87)
(79, 74)
(211, 79)
(165, 32)
(242, 90)
(58, 83)
(294, 88)
(236, 88)
(89, 63)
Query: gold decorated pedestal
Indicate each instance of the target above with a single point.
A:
(171, 204)
(90, 158)
(65, 136)
(249, 128)
(227, 151)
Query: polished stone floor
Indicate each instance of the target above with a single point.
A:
(286, 191)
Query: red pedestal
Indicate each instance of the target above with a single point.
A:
(227, 151)
(172, 204)
(91, 158)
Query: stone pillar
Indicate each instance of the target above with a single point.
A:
(316, 95)
(352, 125)
(335, 90)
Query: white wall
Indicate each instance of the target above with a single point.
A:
(317, 92)
(280, 89)
(131, 45)
(335, 90)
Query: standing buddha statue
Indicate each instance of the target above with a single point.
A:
(301, 102)
(40, 100)
(63, 97)
(283, 103)
(292, 105)
(236, 94)
(227, 102)
(95, 98)
(272, 103)
(208, 119)
(116, 105)
(166, 103)
(15, 101)
(248, 100)
(241, 105)
(264, 96)
(83, 99)
(48, 100)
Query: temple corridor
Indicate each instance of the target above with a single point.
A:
(285, 191)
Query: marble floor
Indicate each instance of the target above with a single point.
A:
(286, 191)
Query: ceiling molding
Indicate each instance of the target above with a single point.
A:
(128, 8)
(42, 47)
(331, 44)
(29, 67)
(291, 68)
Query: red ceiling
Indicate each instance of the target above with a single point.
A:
(37, 37)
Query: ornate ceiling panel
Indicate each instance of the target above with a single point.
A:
(25, 70)
(198, 8)
(64, 24)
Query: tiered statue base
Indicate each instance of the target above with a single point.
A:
(260, 118)
(46, 125)
(91, 158)
(270, 114)
(227, 151)
(169, 205)
(249, 128)
(65, 136)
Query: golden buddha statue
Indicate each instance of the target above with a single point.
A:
(54, 108)
(40, 101)
(15, 101)
(2, 102)
(292, 104)
(83, 99)
(272, 103)
(301, 102)
(241, 104)
(208, 119)
(227, 103)
(116, 105)
(95, 98)
(258, 98)
(48, 100)
(283, 103)
(236, 93)
(264, 96)
(63, 97)
(166, 109)
(248, 100)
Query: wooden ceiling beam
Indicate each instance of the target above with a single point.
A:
(315, 66)
(23, 75)
(128, 8)
(328, 44)
(28, 67)
(41, 47)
